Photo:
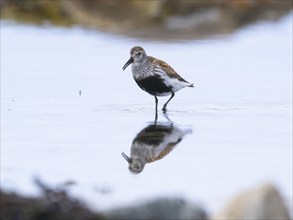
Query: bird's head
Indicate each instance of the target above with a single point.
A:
(137, 56)
(136, 165)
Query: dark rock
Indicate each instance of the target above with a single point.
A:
(53, 204)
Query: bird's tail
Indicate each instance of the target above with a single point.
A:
(191, 85)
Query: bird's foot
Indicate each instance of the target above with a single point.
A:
(164, 109)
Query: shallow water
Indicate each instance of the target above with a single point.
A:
(68, 111)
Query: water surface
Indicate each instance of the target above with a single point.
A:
(68, 111)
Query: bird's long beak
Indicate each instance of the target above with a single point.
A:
(128, 159)
(130, 61)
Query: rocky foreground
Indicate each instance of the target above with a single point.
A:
(262, 202)
(151, 19)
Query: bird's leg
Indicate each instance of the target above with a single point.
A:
(165, 105)
(156, 116)
(156, 99)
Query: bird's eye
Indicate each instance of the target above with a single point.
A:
(138, 53)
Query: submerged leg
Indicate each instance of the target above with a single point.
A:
(165, 105)
(167, 117)
(156, 118)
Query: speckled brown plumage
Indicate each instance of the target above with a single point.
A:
(155, 76)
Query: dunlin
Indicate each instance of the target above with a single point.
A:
(154, 76)
(153, 143)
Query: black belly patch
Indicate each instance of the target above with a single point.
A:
(153, 85)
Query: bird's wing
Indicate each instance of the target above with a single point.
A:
(163, 152)
(167, 69)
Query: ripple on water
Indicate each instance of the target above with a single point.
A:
(198, 109)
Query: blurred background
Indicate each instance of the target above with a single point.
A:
(68, 110)
(154, 19)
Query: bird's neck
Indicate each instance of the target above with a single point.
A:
(141, 69)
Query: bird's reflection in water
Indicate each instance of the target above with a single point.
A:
(153, 143)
